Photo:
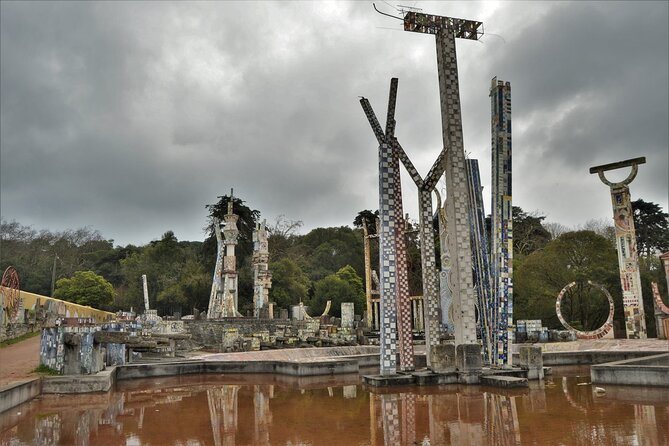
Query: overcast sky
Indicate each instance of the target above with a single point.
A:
(130, 117)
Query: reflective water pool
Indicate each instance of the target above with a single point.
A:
(275, 410)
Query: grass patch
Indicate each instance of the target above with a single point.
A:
(19, 339)
(45, 370)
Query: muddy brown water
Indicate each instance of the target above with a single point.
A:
(274, 410)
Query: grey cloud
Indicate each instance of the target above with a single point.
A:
(130, 117)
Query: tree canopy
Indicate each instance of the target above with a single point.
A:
(574, 256)
(651, 226)
(85, 288)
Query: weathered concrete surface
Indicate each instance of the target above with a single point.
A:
(468, 357)
(531, 360)
(388, 380)
(649, 371)
(442, 358)
(312, 367)
(14, 394)
(503, 381)
(99, 382)
(427, 378)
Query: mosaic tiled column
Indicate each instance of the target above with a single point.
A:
(395, 324)
(403, 300)
(390, 412)
(623, 218)
(431, 301)
(501, 250)
(480, 257)
(457, 199)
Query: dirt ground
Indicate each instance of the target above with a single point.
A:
(17, 361)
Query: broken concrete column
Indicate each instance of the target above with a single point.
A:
(532, 361)
(442, 358)
(347, 315)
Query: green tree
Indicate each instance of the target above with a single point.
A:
(574, 256)
(290, 285)
(85, 288)
(366, 217)
(528, 232)
(652, 228)
(343, 286)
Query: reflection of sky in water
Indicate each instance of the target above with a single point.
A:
(274, 410)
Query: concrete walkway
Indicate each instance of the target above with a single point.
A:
(17, 361)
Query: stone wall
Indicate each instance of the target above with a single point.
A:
(242, 334)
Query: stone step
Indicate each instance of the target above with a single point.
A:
(503, 381)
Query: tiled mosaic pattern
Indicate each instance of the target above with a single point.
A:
(480, 259)
(390, 411)
(432, 317)
(593, 334)
(445, 288)
(457, 203)
(501, 251)
(630, 279)
(395, 324)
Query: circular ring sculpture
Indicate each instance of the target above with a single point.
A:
(594, 334)
(10, 289)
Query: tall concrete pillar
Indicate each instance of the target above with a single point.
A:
(623, 219)
(501, 250)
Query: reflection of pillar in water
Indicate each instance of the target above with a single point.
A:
(350, 392)
(263, 416)
(391, 419)
(441, 409)
(467, 428)
(47, 429)
(537, 397)
(646, 426)
(501, 420)
(223, 407)
(408, 418)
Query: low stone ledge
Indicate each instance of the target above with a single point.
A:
(651, 371)
(14, 394)
(388, 380)
(99, 382)
(505, 382)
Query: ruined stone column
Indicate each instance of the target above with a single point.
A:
(623, 219)
(216, 297)
(231, 233)
(262, 277)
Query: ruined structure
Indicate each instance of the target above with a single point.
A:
(630, 280)
(501, 250)
(661, 310)
(262, 277)
(372, 312)
(223, 299)
(446, 30)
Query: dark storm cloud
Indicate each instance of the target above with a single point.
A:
(130, 117)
